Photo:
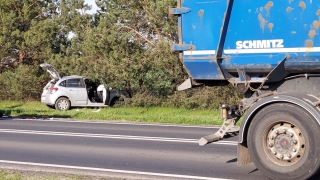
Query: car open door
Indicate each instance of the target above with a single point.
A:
(51, 70)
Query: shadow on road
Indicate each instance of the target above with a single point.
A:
(232, 160)
(253, 171)
(230, 135)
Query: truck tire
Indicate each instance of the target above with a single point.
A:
(283, 142)
(62, 104)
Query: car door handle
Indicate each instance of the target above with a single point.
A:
(70, 90)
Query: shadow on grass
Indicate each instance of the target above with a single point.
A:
(6, 115)
(15, 106)
(19, 110)
(43, 117)
(32, 116)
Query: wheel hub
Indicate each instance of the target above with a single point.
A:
(286, 143)
(63, 104)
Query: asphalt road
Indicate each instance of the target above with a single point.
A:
(119, 149)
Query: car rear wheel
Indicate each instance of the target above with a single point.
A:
(283, 142)
(118, 101)
(62, 104)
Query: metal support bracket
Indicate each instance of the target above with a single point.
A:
(230, 116)
(181, 47)
(179, 11)
(228, 127)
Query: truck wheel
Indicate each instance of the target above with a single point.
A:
(283, 142)
(62, 104)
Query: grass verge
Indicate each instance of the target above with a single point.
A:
(39, 175)
(135, 114)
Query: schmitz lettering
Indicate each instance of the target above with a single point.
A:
(260, 44)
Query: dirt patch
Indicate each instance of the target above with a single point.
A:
(270, 26)
(262, 21)
(316, 24)
(201, 12)
(302, 5)
(312, 33)
(309, 44)
(268, 5)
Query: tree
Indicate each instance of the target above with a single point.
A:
(78, 56)
(28, 34)
(134, 38)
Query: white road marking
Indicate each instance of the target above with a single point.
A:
(122, 123)
(110, 170)
(110, 136)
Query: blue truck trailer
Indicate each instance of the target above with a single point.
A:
(270, 52)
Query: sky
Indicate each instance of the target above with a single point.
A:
(93, 9)
(93, 6)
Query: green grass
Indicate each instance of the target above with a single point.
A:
(134, 114)
(42, 175)
(9, 175)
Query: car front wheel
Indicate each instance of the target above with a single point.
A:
(62, 104)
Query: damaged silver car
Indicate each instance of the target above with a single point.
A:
(62, 93)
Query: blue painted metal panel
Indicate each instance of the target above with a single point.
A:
(201, 29)
(203, 69)
(262, 32)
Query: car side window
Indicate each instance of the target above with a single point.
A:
(74, 83)
(63, 84)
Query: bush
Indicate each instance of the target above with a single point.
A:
(145, 99)
(204, 98)
(197, 98)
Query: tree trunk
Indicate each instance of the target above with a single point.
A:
(128, 88)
